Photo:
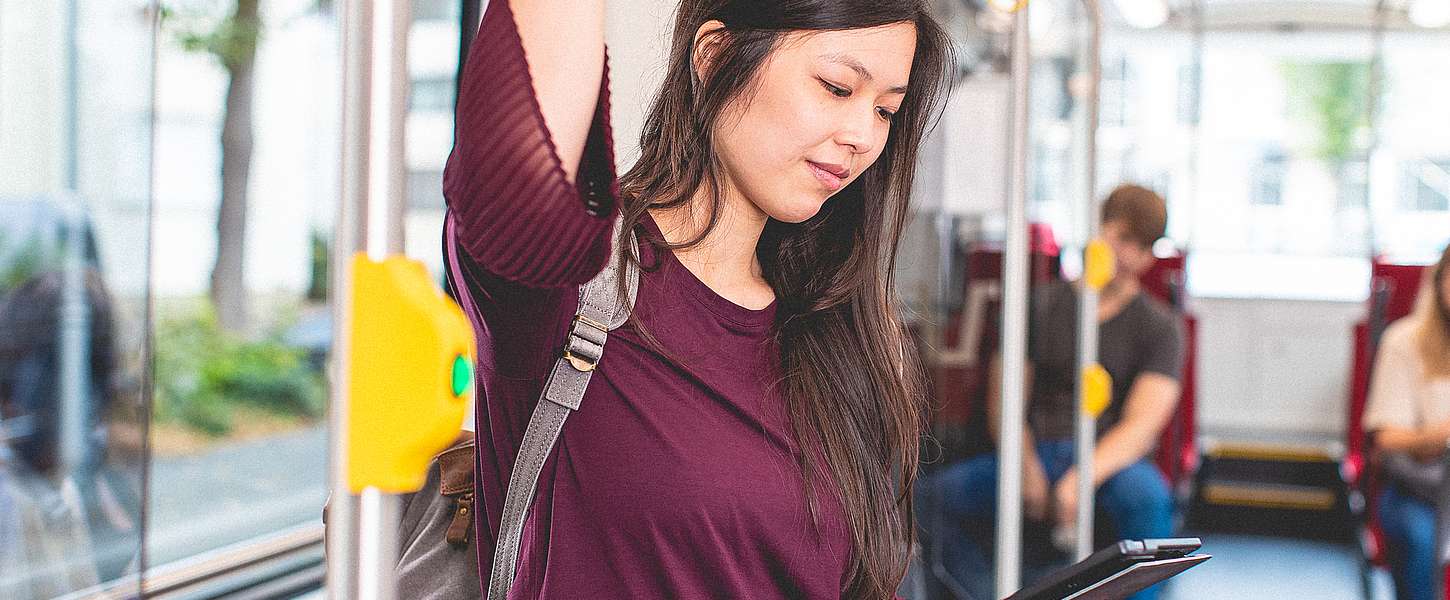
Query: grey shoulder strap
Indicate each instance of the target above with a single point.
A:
(599, 313)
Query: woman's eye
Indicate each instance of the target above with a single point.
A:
(836, 90)
(886, 114)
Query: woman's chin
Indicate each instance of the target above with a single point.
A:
(797, 210)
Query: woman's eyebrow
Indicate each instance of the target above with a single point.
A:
(860, 69)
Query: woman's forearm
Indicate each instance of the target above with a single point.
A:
(530, 180)
(564, 43)
(1422, 442)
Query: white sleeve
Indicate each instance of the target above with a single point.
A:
(1391, 400)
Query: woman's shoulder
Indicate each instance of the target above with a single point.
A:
(1399, 336)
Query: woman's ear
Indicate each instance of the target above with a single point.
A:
(707, 42)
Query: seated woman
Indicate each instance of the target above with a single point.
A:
(1409, 413)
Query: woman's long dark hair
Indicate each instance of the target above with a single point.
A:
(850, 377)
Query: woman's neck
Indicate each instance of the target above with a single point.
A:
(725, 260)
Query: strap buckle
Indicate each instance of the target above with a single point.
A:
(583, 362)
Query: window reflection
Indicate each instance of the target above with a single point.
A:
(75, 100)
(243, 225)
(432, 67)
(1430, 181)
(67, 465)
(238, 424)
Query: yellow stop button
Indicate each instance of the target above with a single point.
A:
(1099, 265)
(410, 371)
(1097, 389)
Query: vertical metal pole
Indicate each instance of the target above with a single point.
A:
(148, 343)
(946, 251)
(1087, 340)
(362, 536)
(74, 330)
(72, 125)
(1372, 108)
(342, 517)
(74, 343)
(1014, 322)
(378, 515)
(387, 169)
(1195, 129)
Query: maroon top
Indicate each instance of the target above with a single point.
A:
(676, 478)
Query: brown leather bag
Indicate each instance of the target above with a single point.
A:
(436, 558)
(436, 554)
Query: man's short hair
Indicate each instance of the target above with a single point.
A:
(1142, 210)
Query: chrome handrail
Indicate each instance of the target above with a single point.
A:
(302, 542)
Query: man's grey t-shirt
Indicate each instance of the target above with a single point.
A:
(1145, 336)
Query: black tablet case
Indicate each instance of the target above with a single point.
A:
(1117, 572)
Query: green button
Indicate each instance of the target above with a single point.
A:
(462, 375)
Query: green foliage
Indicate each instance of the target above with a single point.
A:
(27, 261)
(203, 372)
(230, 40)
(1332, 97)
(317, 281)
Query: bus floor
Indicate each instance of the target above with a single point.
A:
(1277, 568)
(1250, 567)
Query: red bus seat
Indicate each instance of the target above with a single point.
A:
(1177, 454)
(1392, 296)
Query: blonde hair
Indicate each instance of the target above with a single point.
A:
(1434, 320)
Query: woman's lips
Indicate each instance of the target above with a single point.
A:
(831, 180)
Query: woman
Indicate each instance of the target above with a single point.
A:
(1408, 413)
(753, 430)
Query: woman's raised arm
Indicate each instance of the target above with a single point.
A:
(564, 43)
(530, 181)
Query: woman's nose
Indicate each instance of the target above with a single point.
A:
(856, 132)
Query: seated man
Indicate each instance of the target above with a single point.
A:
(1141, 346)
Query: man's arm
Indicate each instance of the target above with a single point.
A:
(1152, 399)
(1150, 406)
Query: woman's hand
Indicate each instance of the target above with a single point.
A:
(1433, 443)
(1424, 444)
(1034, 491)
(1065, 495)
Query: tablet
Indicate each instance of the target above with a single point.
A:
(1117, 571)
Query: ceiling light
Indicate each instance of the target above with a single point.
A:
(1146, 14)
(1430, 14)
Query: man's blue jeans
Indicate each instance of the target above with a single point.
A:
(1409, 523)
(1137, 499)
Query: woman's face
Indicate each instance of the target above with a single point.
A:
(817, 119)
